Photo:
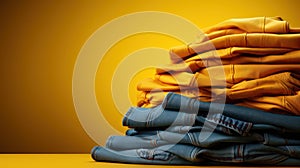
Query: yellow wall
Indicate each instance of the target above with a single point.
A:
(40, 41)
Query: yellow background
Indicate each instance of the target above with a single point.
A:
(40, 41)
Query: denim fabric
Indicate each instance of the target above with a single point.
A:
(175, 129)
(150, 139)
(196, 128)
(286, 123)
(133, 142)
(165, 137)
(139, 156)
(143, 117)
(187, 155)
(159, 117)
(172, 134)
(218, 139)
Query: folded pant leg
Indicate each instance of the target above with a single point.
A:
(261, 40)
(212, 139)
(132, 142)
(275, 104)
(223, 32)
(156, 117)
(138, 156)
(154, 98)
(149, 84)
(254, 24)
(180, 53)
(276, 139)
(196, 63)
(233, 74)
(224, 76)
(277, 84)
(175, 102)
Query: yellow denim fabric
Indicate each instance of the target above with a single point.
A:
(253, 25)
(291, 41)
(149, 84)
(252, 62)
(220, 33)
(154, 98)
(278, 84)
(278, 93)
(225, 76)
(276, 104)
(179, 54)
(210, 58)
(285, 83)
(233, 52)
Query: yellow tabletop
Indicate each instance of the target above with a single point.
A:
(70, 160)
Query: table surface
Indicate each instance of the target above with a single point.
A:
(70, 160)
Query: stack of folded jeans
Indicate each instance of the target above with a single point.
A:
(232, 97)
(252, 62)
(186, 131)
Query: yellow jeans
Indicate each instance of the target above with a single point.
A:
(252, 25)
(233, 55)
(223, 76)
(256, 40)
(274, 25)
(283, 86)
(252, 62)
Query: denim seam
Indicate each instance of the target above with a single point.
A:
(266, 139)
(94, 156)
(192, 139)
(194, 153)
(192, 119)
(241, 130)
(109, 142)
(149, 118)
(290, 151)
(127, 116)
(240, 153)
(220, 120)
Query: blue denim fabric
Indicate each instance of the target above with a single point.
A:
(269, 138)
(171, 134)
(164, 138)
(138, 156)
(188, 154)
(159, 117)
(286, 123)
(151, 139)
(281, 140)
(156, 117)
(175, 129)
(133, 142)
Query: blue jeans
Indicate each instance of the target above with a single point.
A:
(152, 139)
(158, 117)
(180, 154)
(172, 133)
(177, 110)
(286, 123)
